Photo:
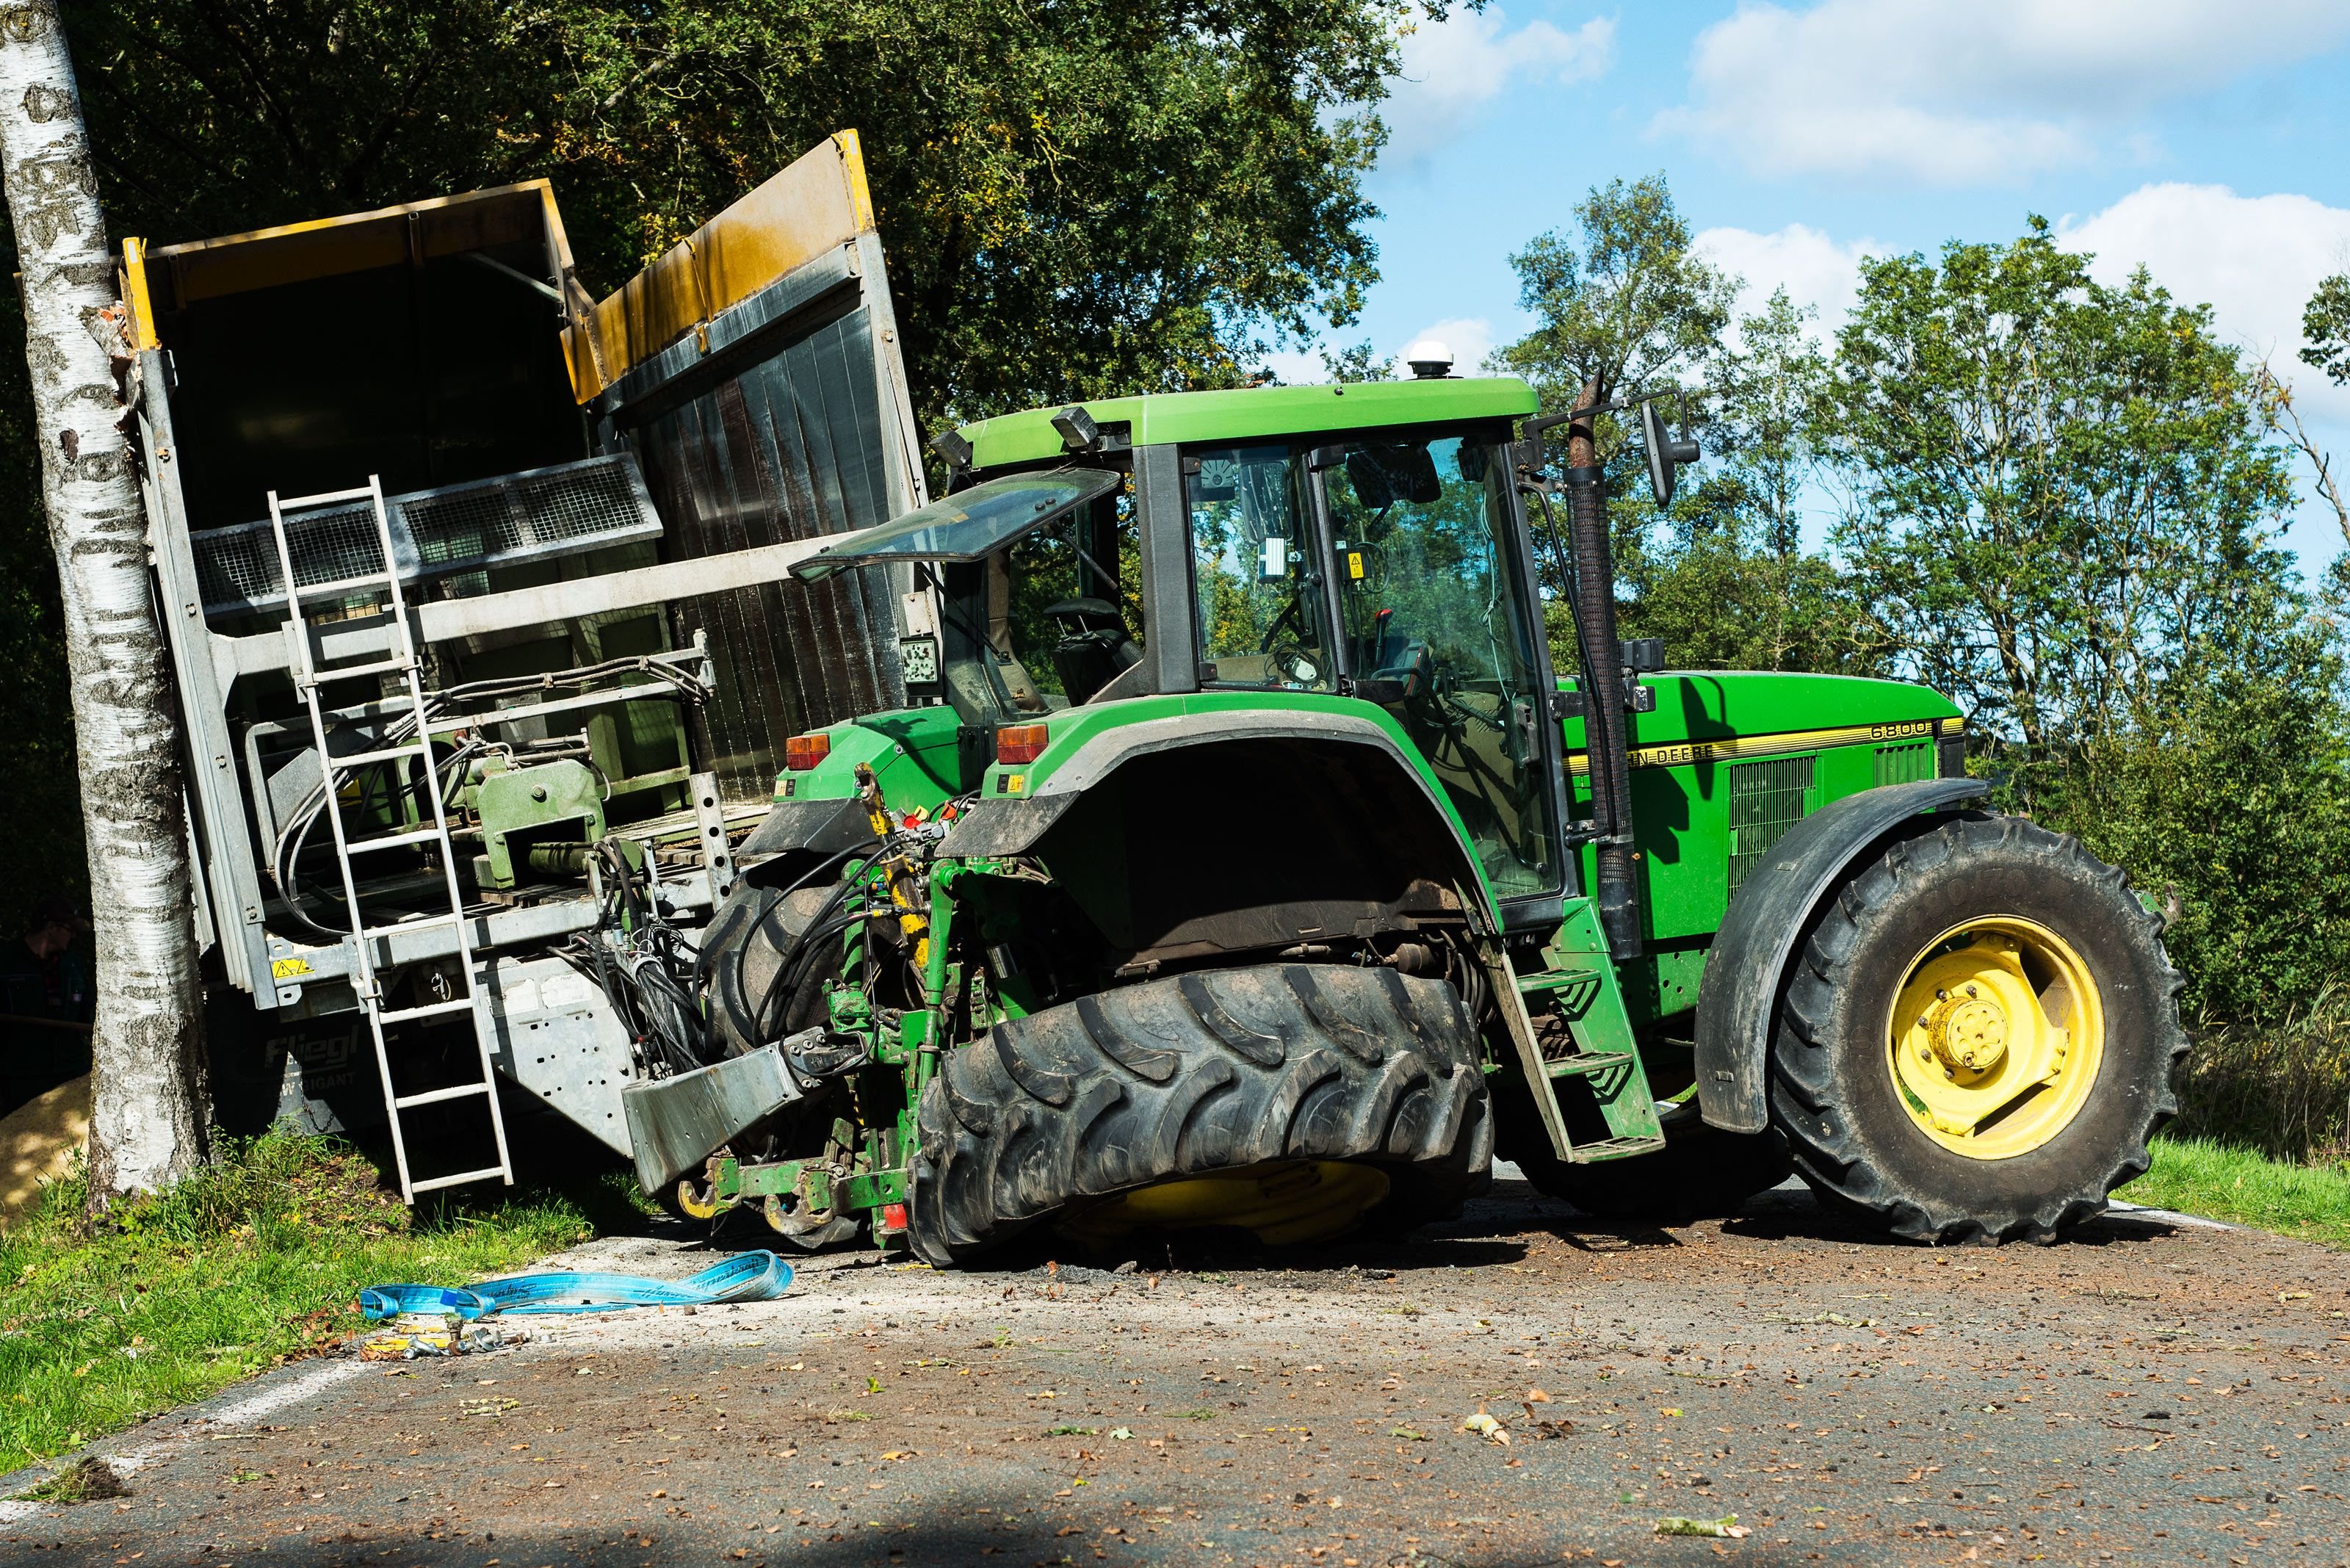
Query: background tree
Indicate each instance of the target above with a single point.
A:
(2059, 488)
(2325, 323)
(1076, 199)
(149, 1112)
(1730, 585)
(2227, 793)
(1724, 577)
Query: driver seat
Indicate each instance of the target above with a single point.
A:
(1094, 649)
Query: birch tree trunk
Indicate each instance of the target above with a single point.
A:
(150, 1106)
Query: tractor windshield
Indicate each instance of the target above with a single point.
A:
(1436, 631)
(1257, 570)
(1048, 620)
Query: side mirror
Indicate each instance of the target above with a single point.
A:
(1666, 454)
(1272, 564)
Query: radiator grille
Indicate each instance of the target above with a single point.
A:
(1904, 764)
(445, 532)
(1766, 798)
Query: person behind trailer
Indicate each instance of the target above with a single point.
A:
(46, 1003)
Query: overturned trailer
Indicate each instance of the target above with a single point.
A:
(477, 595)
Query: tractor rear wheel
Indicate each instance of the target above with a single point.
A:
(1979, 1037)
(1291, 1101)
(755, 930)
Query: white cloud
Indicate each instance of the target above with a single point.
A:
(1471, 338)
(1297, 366)
(1454, 67)
(1816, 269)
(2253, 259)
(1990, 92)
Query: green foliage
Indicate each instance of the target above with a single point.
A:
(1723, 576)
(1721, 602)
(1356, 363)
(2065, 504)
(1730, 585)
(2227, 793)
(1624, 300)
(252, 1260)
(1076, 199)
(2325, 322)
(2059, 487)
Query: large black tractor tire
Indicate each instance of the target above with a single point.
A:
(1199, 1073)
(1860, 1134)
(746, 946)
(1701, 1173)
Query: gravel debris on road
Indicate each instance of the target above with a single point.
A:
(1520, 1387)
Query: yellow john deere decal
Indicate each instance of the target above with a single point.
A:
(1738, 748)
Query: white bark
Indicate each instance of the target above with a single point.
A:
(149, 1105)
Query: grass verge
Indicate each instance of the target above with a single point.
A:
(251, 1261)
(2196, 1176)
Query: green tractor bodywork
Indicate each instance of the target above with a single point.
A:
(1225, 691)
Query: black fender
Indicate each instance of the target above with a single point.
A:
(797, 835)
(1745, 970)
(1014, 827)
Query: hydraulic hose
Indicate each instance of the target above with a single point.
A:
(1603, 680)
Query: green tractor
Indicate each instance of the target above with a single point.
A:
(1243, 863)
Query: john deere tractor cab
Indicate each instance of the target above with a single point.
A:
(1242, 861)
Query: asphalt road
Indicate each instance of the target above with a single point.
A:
(2150, 1392)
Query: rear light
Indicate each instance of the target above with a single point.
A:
(1021, 742)
(893, 1217)
(802, 753)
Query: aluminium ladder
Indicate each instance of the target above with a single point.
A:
(309, 678)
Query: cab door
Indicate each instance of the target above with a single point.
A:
(1436, 626)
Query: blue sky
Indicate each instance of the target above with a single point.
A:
(2204, 139)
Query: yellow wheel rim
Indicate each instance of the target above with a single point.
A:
(1283, 1204)
(1996, 1036)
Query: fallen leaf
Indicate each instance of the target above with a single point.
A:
(1485, 1426)
(1726, 1528)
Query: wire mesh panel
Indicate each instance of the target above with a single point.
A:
(237, 567)
(1766, 798)
(455, 528)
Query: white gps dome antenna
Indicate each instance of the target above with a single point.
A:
(1429, 359)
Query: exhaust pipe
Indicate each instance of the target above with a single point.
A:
(1603, 677)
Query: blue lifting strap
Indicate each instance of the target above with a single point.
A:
(746, 1277)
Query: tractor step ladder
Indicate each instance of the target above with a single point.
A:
(309, 676)
(1603, 1067)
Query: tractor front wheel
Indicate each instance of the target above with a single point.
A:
(1979, 1037)
(1294, 1102)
